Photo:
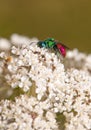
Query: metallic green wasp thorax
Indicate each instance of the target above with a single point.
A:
(48, 43)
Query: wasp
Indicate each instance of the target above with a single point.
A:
(57, 46)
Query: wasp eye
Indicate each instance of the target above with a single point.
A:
(41, 44)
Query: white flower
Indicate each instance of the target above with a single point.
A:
(26, 113)
(19, 39)
(4, 44)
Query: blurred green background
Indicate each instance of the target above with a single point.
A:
(66, 20)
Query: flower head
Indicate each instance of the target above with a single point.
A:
(58, 88)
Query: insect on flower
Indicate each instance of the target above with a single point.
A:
(57, 46)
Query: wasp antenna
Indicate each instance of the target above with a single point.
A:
(32, 43)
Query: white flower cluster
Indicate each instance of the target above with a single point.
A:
(78, 60)
(26, 114)
(59, 87)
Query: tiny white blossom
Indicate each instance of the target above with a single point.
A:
(4, 44)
